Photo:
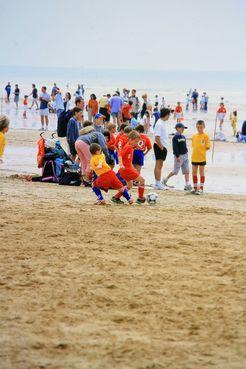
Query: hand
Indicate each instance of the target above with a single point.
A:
(178, 159)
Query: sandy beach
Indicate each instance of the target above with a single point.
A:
(120, 287)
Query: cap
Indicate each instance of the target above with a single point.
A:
(180, 125)
(97, 116)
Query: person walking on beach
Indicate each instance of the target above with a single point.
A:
(25, 106)
(135, 101)
(160, 146)
(58, 102)
(92, 107)
(17, 96)
(233, 119)
(103, 107)
(8, 91)
(194, 98)
(67, 101)
(146, 105)
(116, 103)
(44, 110)
(221, 113)
(34, 95)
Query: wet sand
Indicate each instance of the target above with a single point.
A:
(136, 287)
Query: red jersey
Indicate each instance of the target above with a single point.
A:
(178, 109)
(126, 109)
(222, 109)
(127, 155)
(121, 140)
(144, 143)
(111, 143)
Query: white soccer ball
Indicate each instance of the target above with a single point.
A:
(152, 198)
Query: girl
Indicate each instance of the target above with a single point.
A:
(92, 107)
(233, 119)
(146, 122)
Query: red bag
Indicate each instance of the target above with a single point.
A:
(41, 152)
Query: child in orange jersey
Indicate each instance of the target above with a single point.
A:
(142, 148)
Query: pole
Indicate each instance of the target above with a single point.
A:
(215, 127)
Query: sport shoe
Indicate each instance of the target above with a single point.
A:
(188, 187)
(140, 200)
(164, 181)
(160, 187)
(100, 202)
(131, 201)
(116, 200)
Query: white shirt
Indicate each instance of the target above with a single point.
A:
(161, 131)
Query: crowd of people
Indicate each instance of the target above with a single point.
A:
(113, 131)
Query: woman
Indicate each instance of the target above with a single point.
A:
(88, 135)
(17, 95)
(146, 105)
(67, 102)
(92, 107)
(73, 127)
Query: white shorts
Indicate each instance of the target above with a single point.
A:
(221, 116)
(25, 107)
(44, 112)
(34, 99)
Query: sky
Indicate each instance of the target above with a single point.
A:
(128, 34)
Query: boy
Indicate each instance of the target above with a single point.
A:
(99, 122)
(142, 149)
(181, 159)
(221, 113)
(127, 170)
(126, 112)
(25, 103)
(111, 143)
(178, 112)
(134, 122)
(200, 145)
(122, 138)
(106, 177)
(4, 127)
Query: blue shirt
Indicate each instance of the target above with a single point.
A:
(73, 128)
(95, 137)
(44, 103)
(116, 103)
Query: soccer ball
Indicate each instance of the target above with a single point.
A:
(152, 198)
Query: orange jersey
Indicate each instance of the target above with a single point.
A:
(93, 105)
(127, 155)
(121, 140)
(111, 143)
(25, 102)
(144, 143)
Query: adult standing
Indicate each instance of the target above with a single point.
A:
(67, 102)
(135, 102)
(194, 98)
(73, 128)
(44, 110)
(8, 91)
(80, 103)
(146, 105)
(17, 95)
(116, 103)
(88, 135)
(103, 107)
(58, 102)
(160, 146)
(92, 107)
(34, 94)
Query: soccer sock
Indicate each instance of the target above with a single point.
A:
(202, 182)
(195, 182)
(140, 192)
(126, 194)
(98, 193)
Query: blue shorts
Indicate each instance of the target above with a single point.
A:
(114, 155)
(121, 179)
(138, 157)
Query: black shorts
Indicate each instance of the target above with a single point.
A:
(104, 111)
(197, 163)
(72, 148)
(160, 154)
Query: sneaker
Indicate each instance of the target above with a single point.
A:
(140, 200)
(160, 187)
(116, 200)
(131, 201)
(164, 181)
(100, 202)
(200, 192)
(188, 187)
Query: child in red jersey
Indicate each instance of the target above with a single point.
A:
(142, 148)
(106, 177)
(25, 107)
(221, 113)
(127, 170)
(122, 139)
(178, 112)
(126, 112)
(111, 142)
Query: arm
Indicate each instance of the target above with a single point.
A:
(102, 143)
(208, 143)
(158, 142)
(176, 147)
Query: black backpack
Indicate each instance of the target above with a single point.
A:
(62, 123)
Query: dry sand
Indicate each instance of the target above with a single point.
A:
(138, 287)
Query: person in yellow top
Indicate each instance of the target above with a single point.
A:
(200, 145)
(233, 119)
(4, 127)
(106, 177)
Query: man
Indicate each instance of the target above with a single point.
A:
(44, 110)
(58, 102)
(135, 102)
(8, 90)
(103, 107)
(160, 146)
(17, 95)
(34, 94)
(116, 103)
(80, 103)
(194, 98)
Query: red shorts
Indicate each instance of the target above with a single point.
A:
(129, 174)
(108, 180)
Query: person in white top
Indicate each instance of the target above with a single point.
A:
(160, 146)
